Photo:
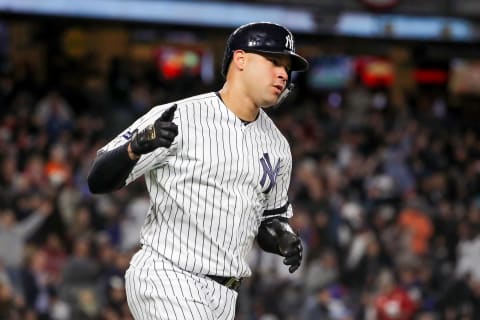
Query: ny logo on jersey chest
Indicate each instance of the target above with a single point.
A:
(269, 172)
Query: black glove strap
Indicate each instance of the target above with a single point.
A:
(110, 170)
(143, 141)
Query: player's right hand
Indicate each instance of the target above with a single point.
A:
(160, 134)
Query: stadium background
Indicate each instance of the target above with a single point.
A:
(383, 128)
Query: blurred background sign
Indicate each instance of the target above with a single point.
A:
(408, 19)
(381, 4)
(405, 27)
(202, 13)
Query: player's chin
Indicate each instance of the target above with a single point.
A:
(270, 101)
(266, 106)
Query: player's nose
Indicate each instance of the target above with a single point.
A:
(282, 74)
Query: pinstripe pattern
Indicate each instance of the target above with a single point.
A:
(207, 201)
(157, 289)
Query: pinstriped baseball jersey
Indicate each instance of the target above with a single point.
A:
(210, 189)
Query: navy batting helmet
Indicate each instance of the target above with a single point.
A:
(263, 37)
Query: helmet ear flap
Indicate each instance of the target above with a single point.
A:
(284, 94)
(227, 57)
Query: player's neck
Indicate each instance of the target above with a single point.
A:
(240, 105)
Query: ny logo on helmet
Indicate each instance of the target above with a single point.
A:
(289, 42)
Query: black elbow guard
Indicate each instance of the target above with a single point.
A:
(110, 170)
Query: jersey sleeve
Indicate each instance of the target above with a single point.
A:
(148, 161)
(277, 204)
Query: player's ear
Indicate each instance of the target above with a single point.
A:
(239, 59)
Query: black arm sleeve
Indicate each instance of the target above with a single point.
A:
(266, 240)
(110, 170)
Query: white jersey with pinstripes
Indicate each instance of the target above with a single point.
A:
(210, 190)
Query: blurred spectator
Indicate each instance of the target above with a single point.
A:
(468, 253)
(132, 222)
(416, 228)
(321, 272)
(14, 235)
(36, 284)
(307, 185)
(416, 277)
(79, 285)
(8, 298)
(57, 169)
(8, 179)
(81, 226)
(112, 266)
(56, 257)
(392, 302)
(461, 300)
(33, 175)
(329, 303)
(69, 200)
(59, 309)
(54, 114)
(116, 298)
(362, 267)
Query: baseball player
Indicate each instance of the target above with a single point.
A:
(217, 170)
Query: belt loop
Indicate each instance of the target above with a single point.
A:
(229, 282)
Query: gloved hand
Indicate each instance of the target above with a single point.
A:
(289, 245)
(160, 134)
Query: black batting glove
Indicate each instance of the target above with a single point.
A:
(289, 245)
(159, 134)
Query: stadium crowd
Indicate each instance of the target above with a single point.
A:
(386, 195)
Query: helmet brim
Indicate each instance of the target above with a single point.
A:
(298, 63)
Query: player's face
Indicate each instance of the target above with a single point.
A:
(267, 77)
